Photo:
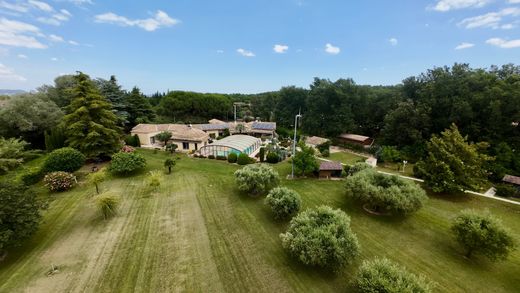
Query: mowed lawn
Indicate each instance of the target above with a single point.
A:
(197, 233)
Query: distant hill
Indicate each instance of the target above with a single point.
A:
(11, 92)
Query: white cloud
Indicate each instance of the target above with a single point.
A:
(54, 59)
(280, 49)
(447, 5)
(464, 45)
(7, 74)
(245, 53)
(56, 38)
(74, 43)
(220, 51)
(22, 56)
(508, 26)
(504, 44)
(393, 41)
(18, 7)
(81, 2)
(41, 5)
(56, 18)
(514, 1)
(329, 48)
(19, 34)
(160, 19)
(492, 19)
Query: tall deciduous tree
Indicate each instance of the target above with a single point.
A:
(62, 91)
(29, 116)
(453, 164)
(91, 125)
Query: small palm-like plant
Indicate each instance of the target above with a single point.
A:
(96, 178)
(169, 163)
(107, 204)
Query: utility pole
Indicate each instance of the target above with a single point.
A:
(294, 141)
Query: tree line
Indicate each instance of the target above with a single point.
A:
(483, 103)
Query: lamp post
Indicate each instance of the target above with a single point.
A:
(294, 142)
(404, 164)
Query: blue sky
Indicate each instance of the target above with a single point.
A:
(249, 46)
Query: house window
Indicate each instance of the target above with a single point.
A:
(196, 146)
(212, 135)
(152, 140)
(185, 145)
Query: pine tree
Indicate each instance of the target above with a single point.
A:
(91, 125)
(138, 107)
(112, 91)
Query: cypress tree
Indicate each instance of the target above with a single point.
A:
(91, 125)
(138, 107)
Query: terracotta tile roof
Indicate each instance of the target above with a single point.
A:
(354, 137)
(315, 140)
(511, 179)
(179, 131)
(331, 166)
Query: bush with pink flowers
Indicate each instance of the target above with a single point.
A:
(127, 149)
(59, 181)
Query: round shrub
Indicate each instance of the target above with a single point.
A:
(357, 167)
(107, 204)
(385, 194)
(507, 190)
(243, 159)
(484, 234)
(64, 159)
(256, 179)
(381, 275)
(59, 181)
(284, 202)
(221, 158)
(272, 158)
(212, 157)
(126, 163)
(232, 158)
(321, 237)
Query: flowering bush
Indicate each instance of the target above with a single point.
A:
(59, 181)
(127, 149)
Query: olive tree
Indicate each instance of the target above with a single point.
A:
(382, 275)
(284, 202)
(126, 163)
(321, 237)
(256, 179)
(164, 137)
(385, 194)
(482, 233)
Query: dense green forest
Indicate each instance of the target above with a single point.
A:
(483, 103)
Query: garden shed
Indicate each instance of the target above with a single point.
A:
(330, 170)
(513, 180)
(232, 144)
